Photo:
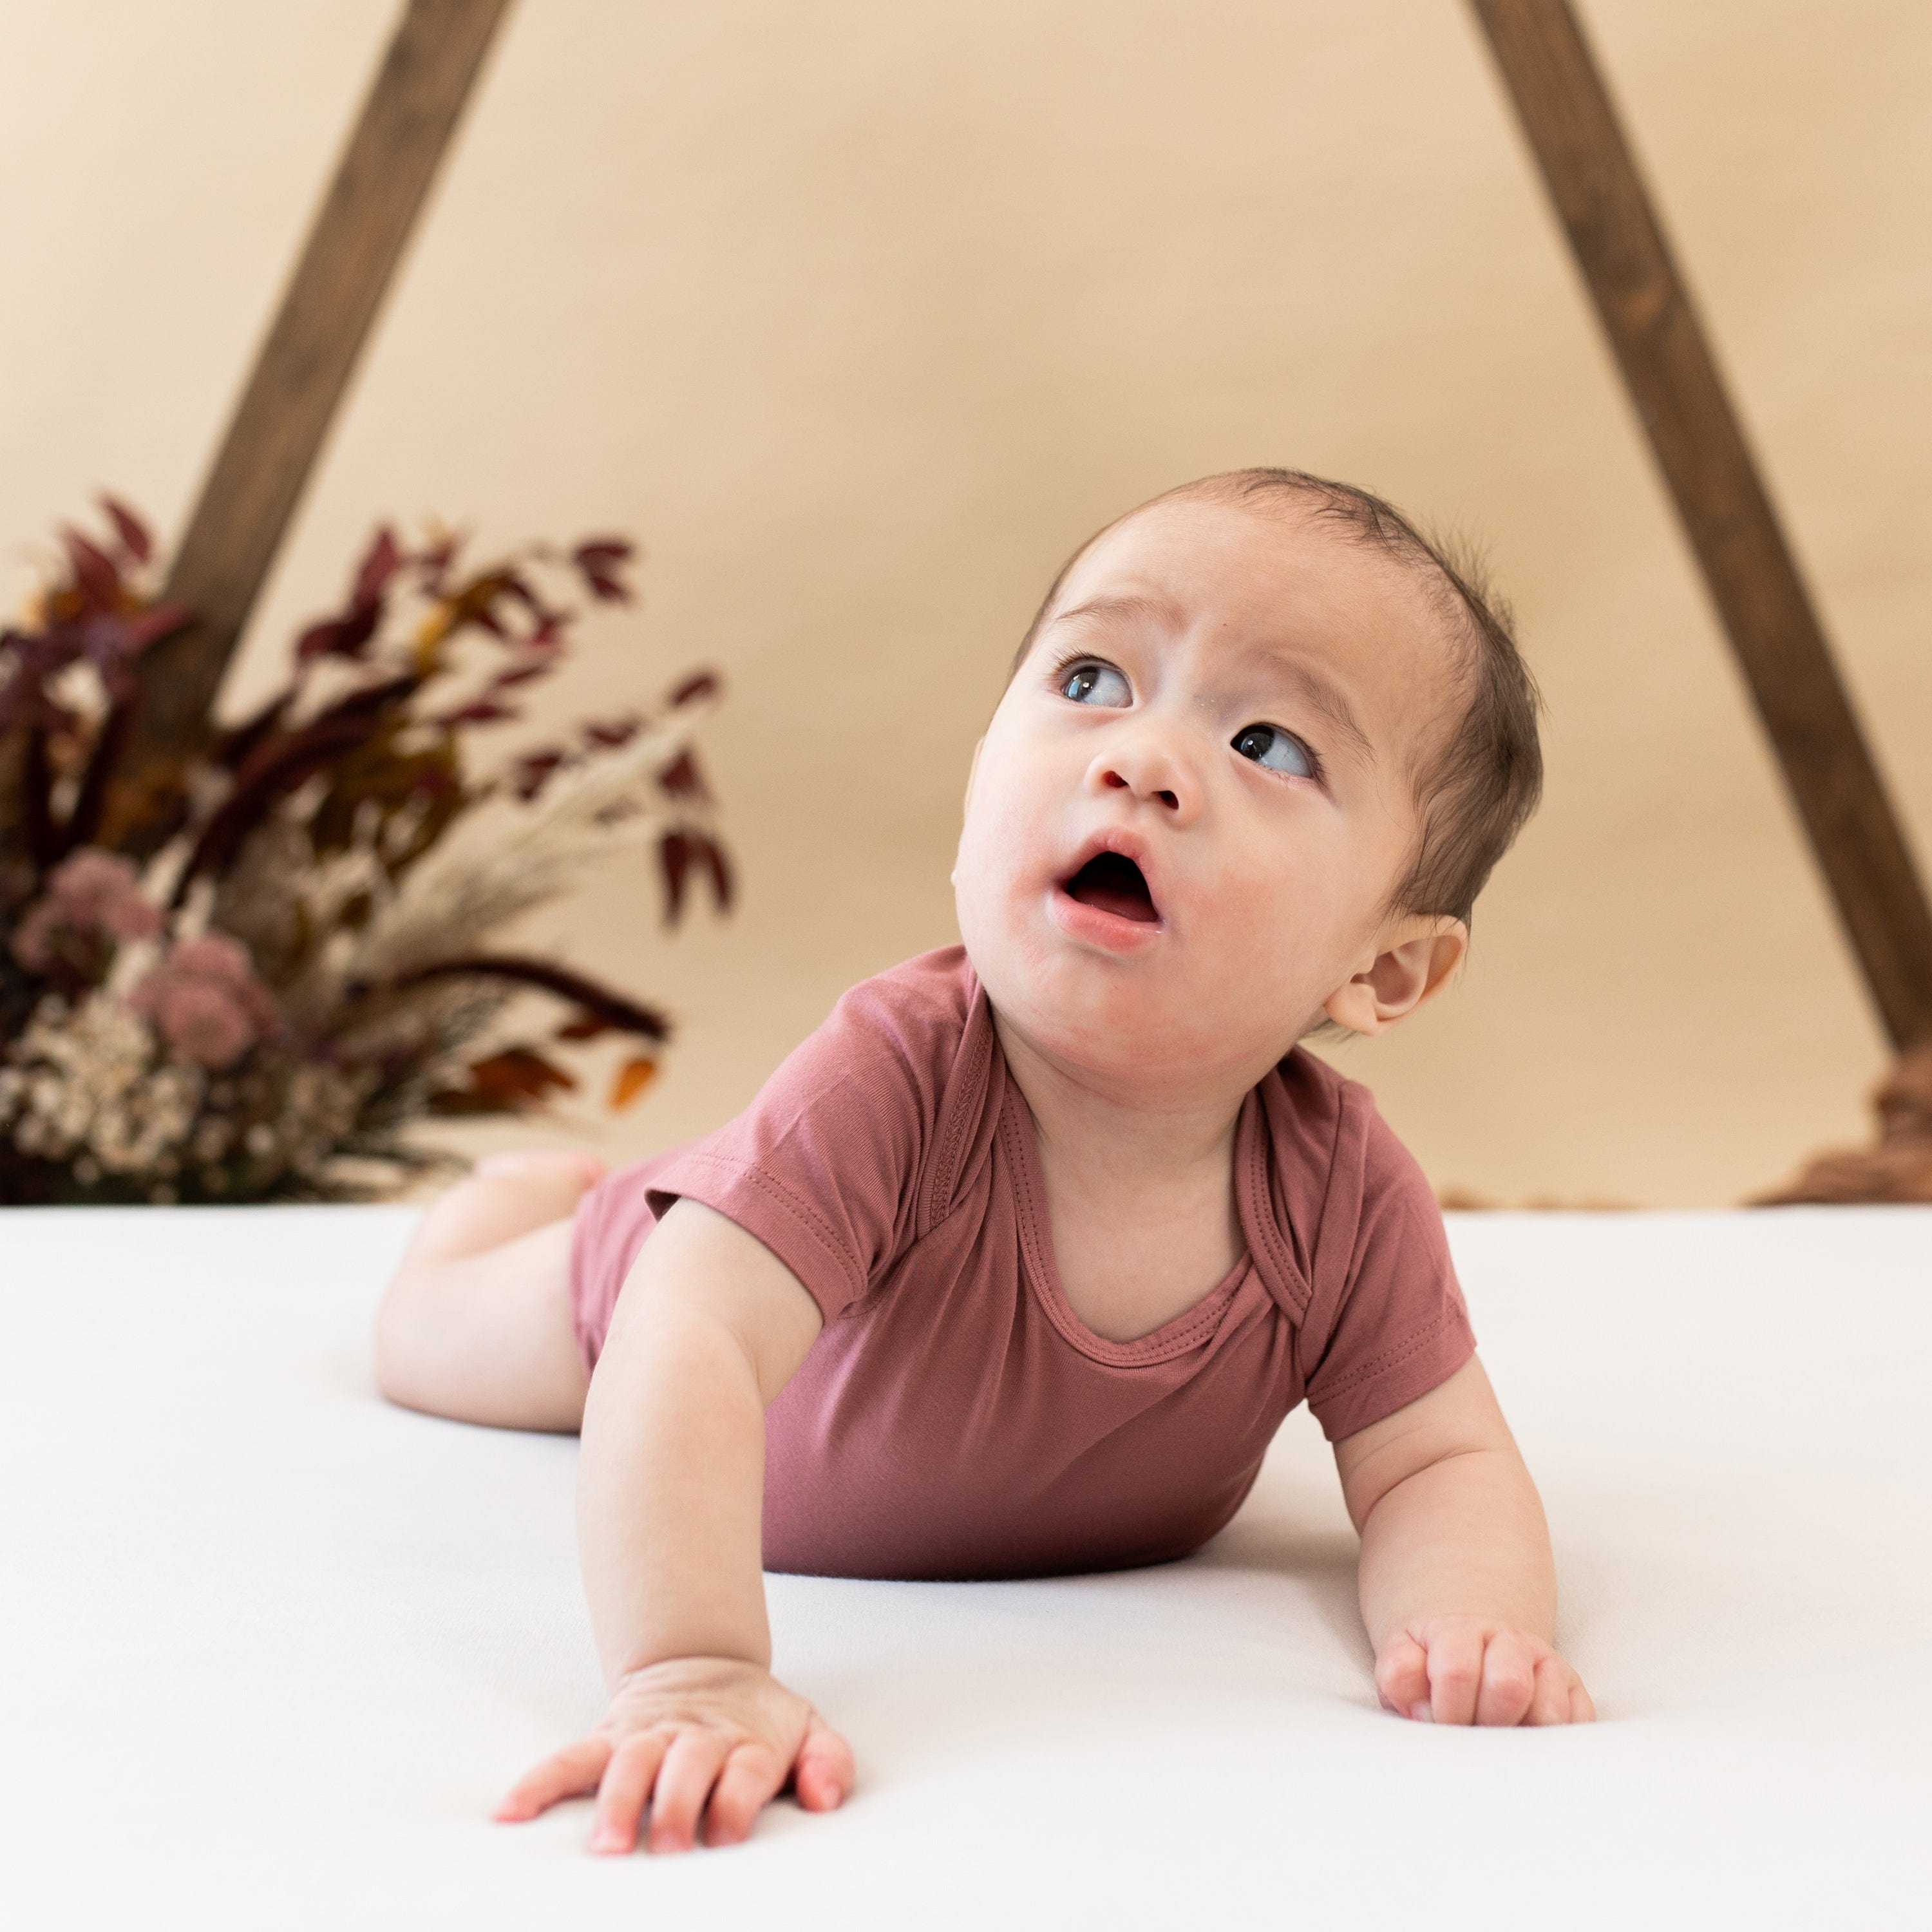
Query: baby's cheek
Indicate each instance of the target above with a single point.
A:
(1266, 948)
(1005, 843)
(986, 882)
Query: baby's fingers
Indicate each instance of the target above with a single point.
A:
(1509, 1679)
(627, 1784)
(1401, 1676)
(749, 1781)
(1455, 1673)
(823, 1771)
(1560, 1696)
(691, 1768)
(565, 1773)
(1551, 1704)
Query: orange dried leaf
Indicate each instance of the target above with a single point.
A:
(633, 1077)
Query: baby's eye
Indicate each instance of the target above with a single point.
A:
(1095, 684)
(1275, 749)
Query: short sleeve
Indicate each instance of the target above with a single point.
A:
(822, 1166)
(1402, 1328)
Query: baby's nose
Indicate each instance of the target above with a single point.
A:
(1165, 797)
(1148, 766)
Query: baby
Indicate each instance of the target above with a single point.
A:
(1014, 1266)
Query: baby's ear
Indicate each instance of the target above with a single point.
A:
(1415, 964)
(966, 803)
(972, 772)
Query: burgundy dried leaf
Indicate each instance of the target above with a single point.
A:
(94, 573)
(83, 823)
(292, 760)
(277, 765)
(512, 584)
(434, 782)
(344, 637)
(133, 534)
(598, 562)
(702, 686)
(479, 711)
(379, 563)
(36, 781)
(720, 869)
(682, 778)
(610, 1008)
(343, 724)
(674, 855)
(156, 621)
(532, 772)
(235, 745)
(610, 733)
(318, 641)
(586, 1026)
(521, 674)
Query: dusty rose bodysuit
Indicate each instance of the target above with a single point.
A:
(954, 1418)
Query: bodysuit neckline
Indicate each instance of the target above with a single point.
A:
(1189, 1328)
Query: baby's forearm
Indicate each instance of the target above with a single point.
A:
(670, 1492)
(1465, 1534)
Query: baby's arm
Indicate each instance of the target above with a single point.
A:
(708, 1326)
(1458, 1590)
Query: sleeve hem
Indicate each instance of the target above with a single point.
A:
(770, 1213)
(1396, 1378)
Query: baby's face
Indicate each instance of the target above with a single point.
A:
(1191, 807)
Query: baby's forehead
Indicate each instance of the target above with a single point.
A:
(1243, 580)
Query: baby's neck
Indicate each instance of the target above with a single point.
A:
(1122, 1126)
(1143, 1221)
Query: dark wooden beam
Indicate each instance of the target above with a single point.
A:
(1673, 379)
(278, 426)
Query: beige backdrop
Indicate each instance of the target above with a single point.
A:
(861, 314)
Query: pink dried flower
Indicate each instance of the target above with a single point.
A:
(206, 1001)
(92, 895)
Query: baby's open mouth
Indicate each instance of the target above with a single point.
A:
(1110, 882)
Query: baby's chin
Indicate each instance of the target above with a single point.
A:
(1131, 1022)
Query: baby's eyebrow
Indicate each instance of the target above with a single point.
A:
(1127, 605)
(1324, 696)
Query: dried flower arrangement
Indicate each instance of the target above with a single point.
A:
(244, 978)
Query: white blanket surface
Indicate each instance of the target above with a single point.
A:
(273, 1648)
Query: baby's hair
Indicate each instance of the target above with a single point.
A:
(1475, 789)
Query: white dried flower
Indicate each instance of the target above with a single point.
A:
(90, 1084)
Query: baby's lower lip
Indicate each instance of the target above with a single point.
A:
(1096, 927)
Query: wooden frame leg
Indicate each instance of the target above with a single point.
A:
(1694, 433)
(278, 426)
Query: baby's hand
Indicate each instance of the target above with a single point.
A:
(680, 1732)
(1461, 1669)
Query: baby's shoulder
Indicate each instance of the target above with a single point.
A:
(919, 1009)
(1343, 1189)
(1326, 1132)
(898, 1038)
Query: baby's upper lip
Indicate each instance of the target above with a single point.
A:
(1117, 839)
